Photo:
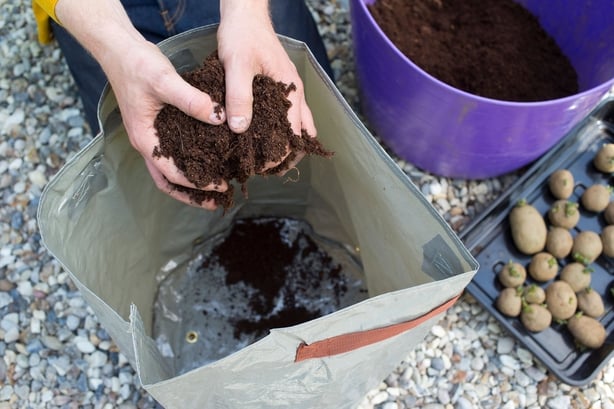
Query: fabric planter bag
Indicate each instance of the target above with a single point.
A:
(119, 237)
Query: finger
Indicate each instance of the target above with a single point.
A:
(192, 101)
(292, 164)
(239, 96)
(165, 186)
(165, 168)
(271, 164)
(185, 198)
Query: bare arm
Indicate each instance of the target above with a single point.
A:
(143, 80)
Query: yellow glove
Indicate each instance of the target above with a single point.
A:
(43, 9)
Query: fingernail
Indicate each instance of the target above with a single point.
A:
(217, 114)
(238, 123)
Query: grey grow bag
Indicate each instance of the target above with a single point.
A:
(115, 233)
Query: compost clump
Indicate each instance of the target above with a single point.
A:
(213, 153)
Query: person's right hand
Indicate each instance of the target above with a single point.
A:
(143, 80)
(141, 93)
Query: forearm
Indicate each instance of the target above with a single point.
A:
(102, 27)
(256, 8)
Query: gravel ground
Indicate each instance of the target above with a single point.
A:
(56, 355)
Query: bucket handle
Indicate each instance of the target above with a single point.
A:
(348, 342)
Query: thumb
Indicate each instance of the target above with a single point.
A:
(239, 97)
(192, 101)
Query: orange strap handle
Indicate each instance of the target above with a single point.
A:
(349, 342)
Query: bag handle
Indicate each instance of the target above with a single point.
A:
(348, 342)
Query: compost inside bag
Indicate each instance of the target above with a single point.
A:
(119, 237)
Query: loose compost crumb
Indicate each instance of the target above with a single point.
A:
(263, 273)
(491, 48)
(212, 153)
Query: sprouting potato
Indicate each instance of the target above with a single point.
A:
(561, 184)
(596, 198)
(587, 246)
(564, 213)
(543, 267)
(534, 294)
(509, 301)
(528, 228)
(604, 159)
(607, 240)
(608, 213)
(512, 274)
(577, 275)
(535, 317)
(590, 302)
(559, 242)
(587, 331)
(561, 300)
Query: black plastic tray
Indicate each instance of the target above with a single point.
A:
(489, 240)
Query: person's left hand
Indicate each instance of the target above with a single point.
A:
(248, 46)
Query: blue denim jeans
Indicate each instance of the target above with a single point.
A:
(160, 19)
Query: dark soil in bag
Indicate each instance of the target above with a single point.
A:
(262, 273)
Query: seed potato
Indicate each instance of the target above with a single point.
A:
(596, 198)
(561, 184)
(604, 159)
(577, 275)
(608, 213)
(587, 331)
(528, 228)
(535, 317)
(586, 247)
(607, 240)
(534, 294)
(561, 300)
(590, 303)
(559, 242)
(509, 302)
(543, 267)
(564, 213)
(512, 274)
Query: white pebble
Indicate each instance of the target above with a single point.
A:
(125, 391)
(380, 397)
(505, 345)
(10, 321)
(13, 121)
(37, 178)
(95, 383)
(125, 377)
(35, 326)
(559, 402)
(84, 345)
(525, 356)
(19, 187)
(536, 374)
(5, 299)
(477, 364)
(15, 164)
(438, 331)
(509, 362)
(11, 335)
(97, 359)
(115, 384)
(25, 289)
(72, 322)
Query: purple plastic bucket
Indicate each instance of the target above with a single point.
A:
(452, 133)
